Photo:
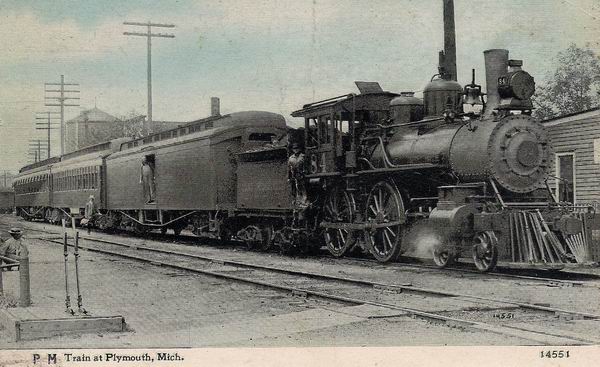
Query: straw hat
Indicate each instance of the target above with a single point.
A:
(15, 231)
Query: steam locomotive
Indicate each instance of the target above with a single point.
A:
(378, 171)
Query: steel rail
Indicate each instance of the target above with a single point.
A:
(520, 332)
(397, 265)
(362, 282)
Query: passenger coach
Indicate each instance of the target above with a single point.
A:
(194, 177)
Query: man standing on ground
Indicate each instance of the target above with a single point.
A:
(12, 246)
(90, 211)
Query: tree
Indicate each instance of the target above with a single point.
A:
(132, 125)
(573, 87)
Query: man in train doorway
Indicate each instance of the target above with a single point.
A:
(296, 175)
(147, 180)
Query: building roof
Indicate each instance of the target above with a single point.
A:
(93, 115)
(572, 117)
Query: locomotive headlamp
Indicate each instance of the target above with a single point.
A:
(517, 83)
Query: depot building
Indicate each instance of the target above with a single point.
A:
(575, 168)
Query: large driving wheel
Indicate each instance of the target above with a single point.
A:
(386, 210)
(339, 208)
(485, 251)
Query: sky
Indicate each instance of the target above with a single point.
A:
(256, 54)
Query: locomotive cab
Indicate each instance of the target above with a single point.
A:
(333, 127)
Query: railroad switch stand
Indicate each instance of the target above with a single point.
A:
(80, 308)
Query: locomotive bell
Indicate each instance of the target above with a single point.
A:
(473, 93)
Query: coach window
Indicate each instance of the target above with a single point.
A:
(312, 138)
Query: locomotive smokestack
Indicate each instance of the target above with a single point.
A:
(449, 41)
(496, 65)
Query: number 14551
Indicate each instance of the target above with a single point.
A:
(554, 354)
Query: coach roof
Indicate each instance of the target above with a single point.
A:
(212, 126)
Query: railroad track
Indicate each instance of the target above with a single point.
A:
(556, 278)
(404, 298)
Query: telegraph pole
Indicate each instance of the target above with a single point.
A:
(61, 95)
(149, 36)
(48, 125)
(36, 146)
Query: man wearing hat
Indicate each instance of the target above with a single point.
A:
(296, 174)
(12, 246)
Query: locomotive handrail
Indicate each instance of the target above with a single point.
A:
(424, 198)
(499, 197)
(550, 191)
(391, 126)
(413, 166)
(359, 226)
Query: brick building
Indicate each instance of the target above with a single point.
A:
(95, 126)
(91, 127)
